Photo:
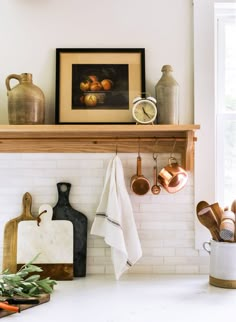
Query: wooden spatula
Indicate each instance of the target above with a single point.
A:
(208, 219)
(10, 235)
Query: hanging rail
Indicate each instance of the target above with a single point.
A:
(99, 139)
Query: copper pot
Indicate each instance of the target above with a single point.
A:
(172, 177)
(138, 183)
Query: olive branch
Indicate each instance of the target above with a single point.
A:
(22, 285)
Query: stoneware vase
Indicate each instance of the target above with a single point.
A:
(167, 96)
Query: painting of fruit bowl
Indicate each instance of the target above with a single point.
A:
(103, 86)
(98, 85)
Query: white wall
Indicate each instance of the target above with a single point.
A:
(165, 222)
(30, 32)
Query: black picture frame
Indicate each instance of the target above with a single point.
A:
(98, 85)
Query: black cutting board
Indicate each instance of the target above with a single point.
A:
(64, 211)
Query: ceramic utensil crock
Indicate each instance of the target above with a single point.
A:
(222, 263)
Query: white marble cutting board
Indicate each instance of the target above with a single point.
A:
(53, 239)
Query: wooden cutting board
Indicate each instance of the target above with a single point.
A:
(10, 235)
(52, 240)
(43, 298)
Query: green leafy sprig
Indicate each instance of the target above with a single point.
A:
(22, 285)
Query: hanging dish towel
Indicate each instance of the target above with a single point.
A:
(114, 220)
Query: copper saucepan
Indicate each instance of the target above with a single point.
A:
(172, 177)
(138, 183)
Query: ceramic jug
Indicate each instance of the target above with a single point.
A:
(26, 102)
(167, 96)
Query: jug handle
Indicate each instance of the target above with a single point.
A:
(207, 247)
(15, 76)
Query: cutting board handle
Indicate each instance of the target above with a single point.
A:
(27, 203)
(10, 234)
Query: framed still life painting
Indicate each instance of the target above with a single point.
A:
(98, 85)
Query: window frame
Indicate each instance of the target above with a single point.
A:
(205, 175)
(223, 15)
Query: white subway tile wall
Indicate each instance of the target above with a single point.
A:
(165, 222)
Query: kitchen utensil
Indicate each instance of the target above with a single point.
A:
(233, 209)
(222, 263)
(10, 235)
(227, 226)
(156, 188)
(52, 240)
(42, 298)
(64, 211)
(138, 183)
(9, 308)
(24, 300)
(218, 211)
(172, 177)
(233, 206)
(208, 219)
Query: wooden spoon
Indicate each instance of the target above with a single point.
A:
(207, 218)
(218, 212)
(233, 208)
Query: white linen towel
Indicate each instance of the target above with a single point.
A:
(114, 220)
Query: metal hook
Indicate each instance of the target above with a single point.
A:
(155, 154)
(173, 148)
(116, 147)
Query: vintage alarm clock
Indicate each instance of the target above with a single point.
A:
(144, 110)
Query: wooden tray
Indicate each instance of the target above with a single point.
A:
(43, 298)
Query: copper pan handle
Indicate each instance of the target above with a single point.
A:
(139, 166)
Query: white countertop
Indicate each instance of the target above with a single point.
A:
(135, 298)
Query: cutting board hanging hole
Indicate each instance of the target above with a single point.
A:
(63, 188)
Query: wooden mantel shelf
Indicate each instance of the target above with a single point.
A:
(100, 138)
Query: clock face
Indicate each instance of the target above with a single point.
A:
(144, 112)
